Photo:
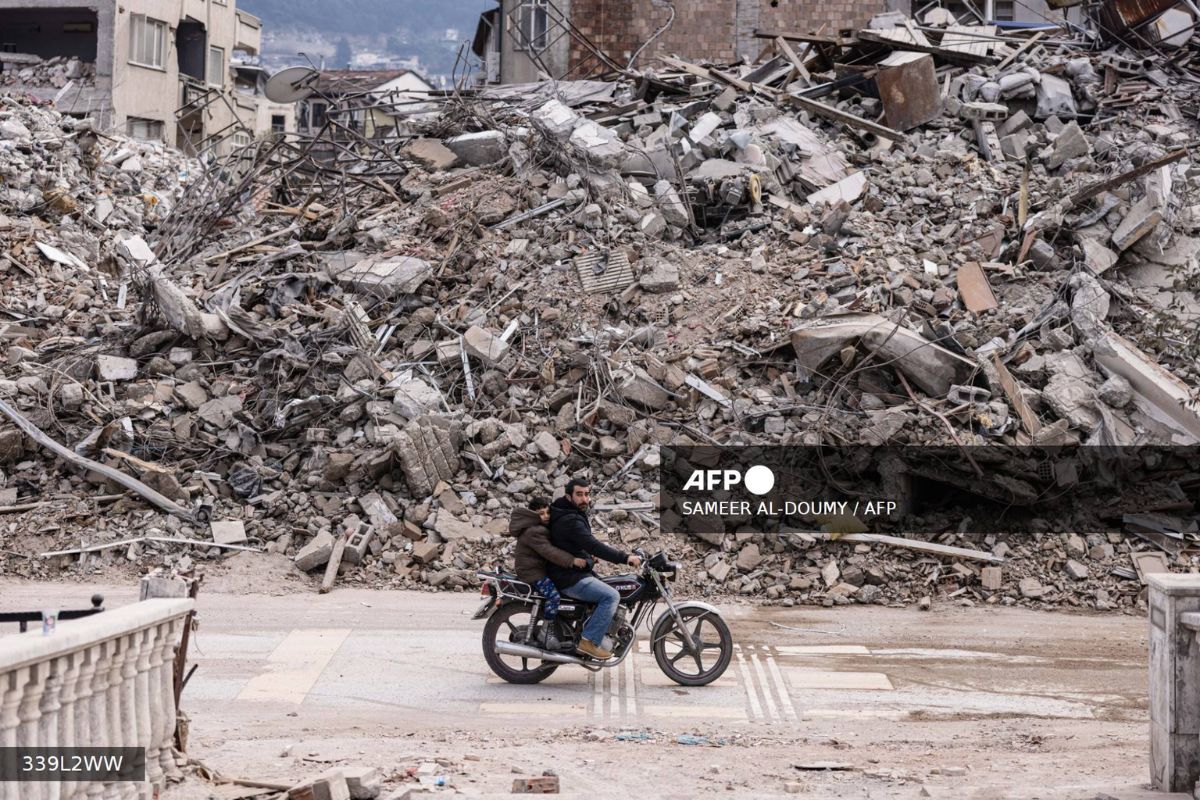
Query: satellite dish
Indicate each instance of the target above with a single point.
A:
(291, 85)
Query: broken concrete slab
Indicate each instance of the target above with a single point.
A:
(597, 144)
(415, 397)
(383, 278)
(428, 448)
(547, 445)
(1098, 257)
(1070, 143)
(192, 394)
(431, 153)
(931, 367)
(555, 120)
(451, 529)
(316, 553)
(1141, 218)
(663, 276)
(484, 345)
(847, 190)
(220, 411)
(478, 149)
(639, 388)
(116, 368)
(228, 531)
(1159, 394)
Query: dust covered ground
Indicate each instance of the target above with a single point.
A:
(956, 702)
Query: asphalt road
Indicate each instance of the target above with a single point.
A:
(287, 682)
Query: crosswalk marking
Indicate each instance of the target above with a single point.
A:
(785, 699)
(295, 665)
(772, 710)
(768, 675)
(751, 693)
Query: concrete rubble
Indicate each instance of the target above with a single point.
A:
(396, 350)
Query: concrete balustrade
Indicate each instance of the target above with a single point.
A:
(1174, 681)
(102, 681)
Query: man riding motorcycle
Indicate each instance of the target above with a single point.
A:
(571, 530)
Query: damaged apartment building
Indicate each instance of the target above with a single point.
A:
(520, 41)
(183, 72)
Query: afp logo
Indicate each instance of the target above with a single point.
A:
(758, 479)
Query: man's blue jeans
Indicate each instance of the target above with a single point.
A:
(593, 590)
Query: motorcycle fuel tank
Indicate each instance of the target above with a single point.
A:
(630, 587)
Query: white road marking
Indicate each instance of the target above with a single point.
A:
(294, 667)
(784, 698)
(764, 682)
(751, 692)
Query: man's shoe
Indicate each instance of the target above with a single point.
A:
(593, 650)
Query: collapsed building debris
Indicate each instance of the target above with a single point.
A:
(360, 354)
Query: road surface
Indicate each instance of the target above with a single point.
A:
(958, 702)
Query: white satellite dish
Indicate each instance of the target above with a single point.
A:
(292, 84)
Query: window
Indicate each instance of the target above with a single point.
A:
(318, 114)
(216, 66)
(140, 128)
(533, 20)
(147, 41)
(278, 123)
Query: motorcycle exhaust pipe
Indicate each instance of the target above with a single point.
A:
(525, 651)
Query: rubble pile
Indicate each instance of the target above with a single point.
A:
(378, 348)
(30, 71)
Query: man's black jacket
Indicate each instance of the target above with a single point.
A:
(571, 531)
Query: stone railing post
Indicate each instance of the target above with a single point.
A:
(12, 686)
(1174, 681)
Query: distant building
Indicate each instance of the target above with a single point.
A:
(163, 69)
(523, 40)
(371, 103)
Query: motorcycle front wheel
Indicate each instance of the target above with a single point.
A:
(508, 624)
(697, 655)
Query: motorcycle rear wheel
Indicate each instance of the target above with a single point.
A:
(670, 646)
(506, 625)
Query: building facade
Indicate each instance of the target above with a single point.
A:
(521, 41)
(164, 69)
(371, 103)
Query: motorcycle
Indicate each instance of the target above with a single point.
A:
(690, 632)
